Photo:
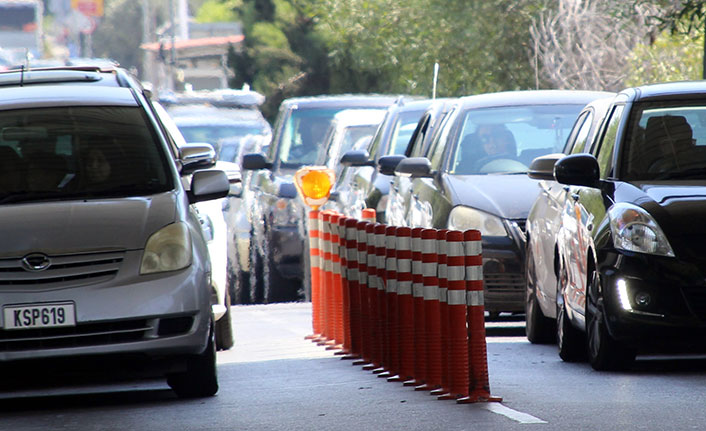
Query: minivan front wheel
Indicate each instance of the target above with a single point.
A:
(200, 378)
(604, 352)
(571, 341)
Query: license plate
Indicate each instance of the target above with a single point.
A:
(47, 315)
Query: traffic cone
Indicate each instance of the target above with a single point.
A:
(315, 272)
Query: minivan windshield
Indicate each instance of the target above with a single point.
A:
(79, 153)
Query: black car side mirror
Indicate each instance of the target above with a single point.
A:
(578, 170)
(414, 167)
(542, 168)
(356, 158)
(255, 161)
(387, 164)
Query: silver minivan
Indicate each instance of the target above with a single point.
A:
(101, 253)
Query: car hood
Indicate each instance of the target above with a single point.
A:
(507, 196)
(83, 225)
(678, 207)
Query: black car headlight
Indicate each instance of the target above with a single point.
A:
(463, 218)
(635, 230)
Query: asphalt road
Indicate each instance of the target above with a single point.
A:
(274, 379)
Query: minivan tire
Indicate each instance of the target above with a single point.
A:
(200, 378)
(224, 328)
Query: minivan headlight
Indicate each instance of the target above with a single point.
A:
(634, 229)
(464, 218)
(168, 249)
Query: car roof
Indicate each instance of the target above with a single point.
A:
(666, 90)
(71, 75)
(359, 117)
(341, 100)
(207, 114)
(64, 95)
(531, 97)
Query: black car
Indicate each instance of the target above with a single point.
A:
(474, 177)
(278, 250)
(632, 253)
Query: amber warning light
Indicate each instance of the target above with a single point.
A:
(314, 184)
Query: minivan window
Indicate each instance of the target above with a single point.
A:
(79, 152)
(303, 135)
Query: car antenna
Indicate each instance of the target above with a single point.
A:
(436, 78)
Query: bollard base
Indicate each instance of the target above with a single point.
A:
(362, 362)
(479, 399)
(369, 367)
(438, 392)
(425, 387)
(394, 379)
(379, 370)
(350, 357)
(412, 382)
(333, 346)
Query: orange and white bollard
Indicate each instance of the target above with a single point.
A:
(420, 350)
(337, 296)
(432, 316)
(352, 281)
(479, 384)
(326, 278)
(381, 284)
(375, 354)
(392, 333)
(405, 301)
(443, 310)
(456, 333)
(315, 273)
(365, 318)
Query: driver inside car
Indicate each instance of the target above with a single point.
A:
(489, 142)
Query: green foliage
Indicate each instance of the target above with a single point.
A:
(110, 38)
(218, 11)
(672, 57)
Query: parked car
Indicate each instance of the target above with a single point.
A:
(102, 254)
(631, 254)
(544, 221)
(425, 132)
(475, 177)
(361, 185)
(278, 250)
(230, 121)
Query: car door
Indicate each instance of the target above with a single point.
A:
(544, 219)
(430, 202)
(585, 208)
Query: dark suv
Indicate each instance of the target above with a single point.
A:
(277, 248)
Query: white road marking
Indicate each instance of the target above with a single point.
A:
(520, 417)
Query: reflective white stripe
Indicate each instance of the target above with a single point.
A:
(351, 233)
(443, 273)
(455, 273)
(456, 297)
(328, 265)
(372, 282)
(316, 261)
(429, 269)
(454, 249)
(416, 244)
(391, 264)
(362, 236)
(474, 273)
(352, 274)
(381, 284)
(416, 267)
(352, 254)
(379, 240)
(443, 297)
(313, 224)
(336, 268)
(390, 241)
(313, 242)
(404, 265)
(474, 297)
(418, 290)
(431, 293)
(428, 246)
(473, 248)
(404, 288)
(404, 243)
(391, 286)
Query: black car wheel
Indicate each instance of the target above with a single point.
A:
(200, 378)
(256, 282)
(604, 353)
(538, 328)
(571, 341)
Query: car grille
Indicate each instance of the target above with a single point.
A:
(504, 282)
(65, 270)
(77, 336)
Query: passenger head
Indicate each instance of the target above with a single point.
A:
(97, 167)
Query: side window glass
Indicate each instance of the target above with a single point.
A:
(415, 144)
(605, 150)
(436, 150)
(577, 142)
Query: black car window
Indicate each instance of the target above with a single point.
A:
(80, 152)
(665, 141)
(377, 139)
(577, 140)
(605, 148)
(303, 134)
(436, 150)
(415, 143)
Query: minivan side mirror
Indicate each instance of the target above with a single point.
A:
(196, 156)
(542, 168)
(255, 161)
(414, 167)
(207, 185)
(578, 170)
(387, 164)
(356, 158)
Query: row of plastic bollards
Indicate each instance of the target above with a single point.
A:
(406, 303)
